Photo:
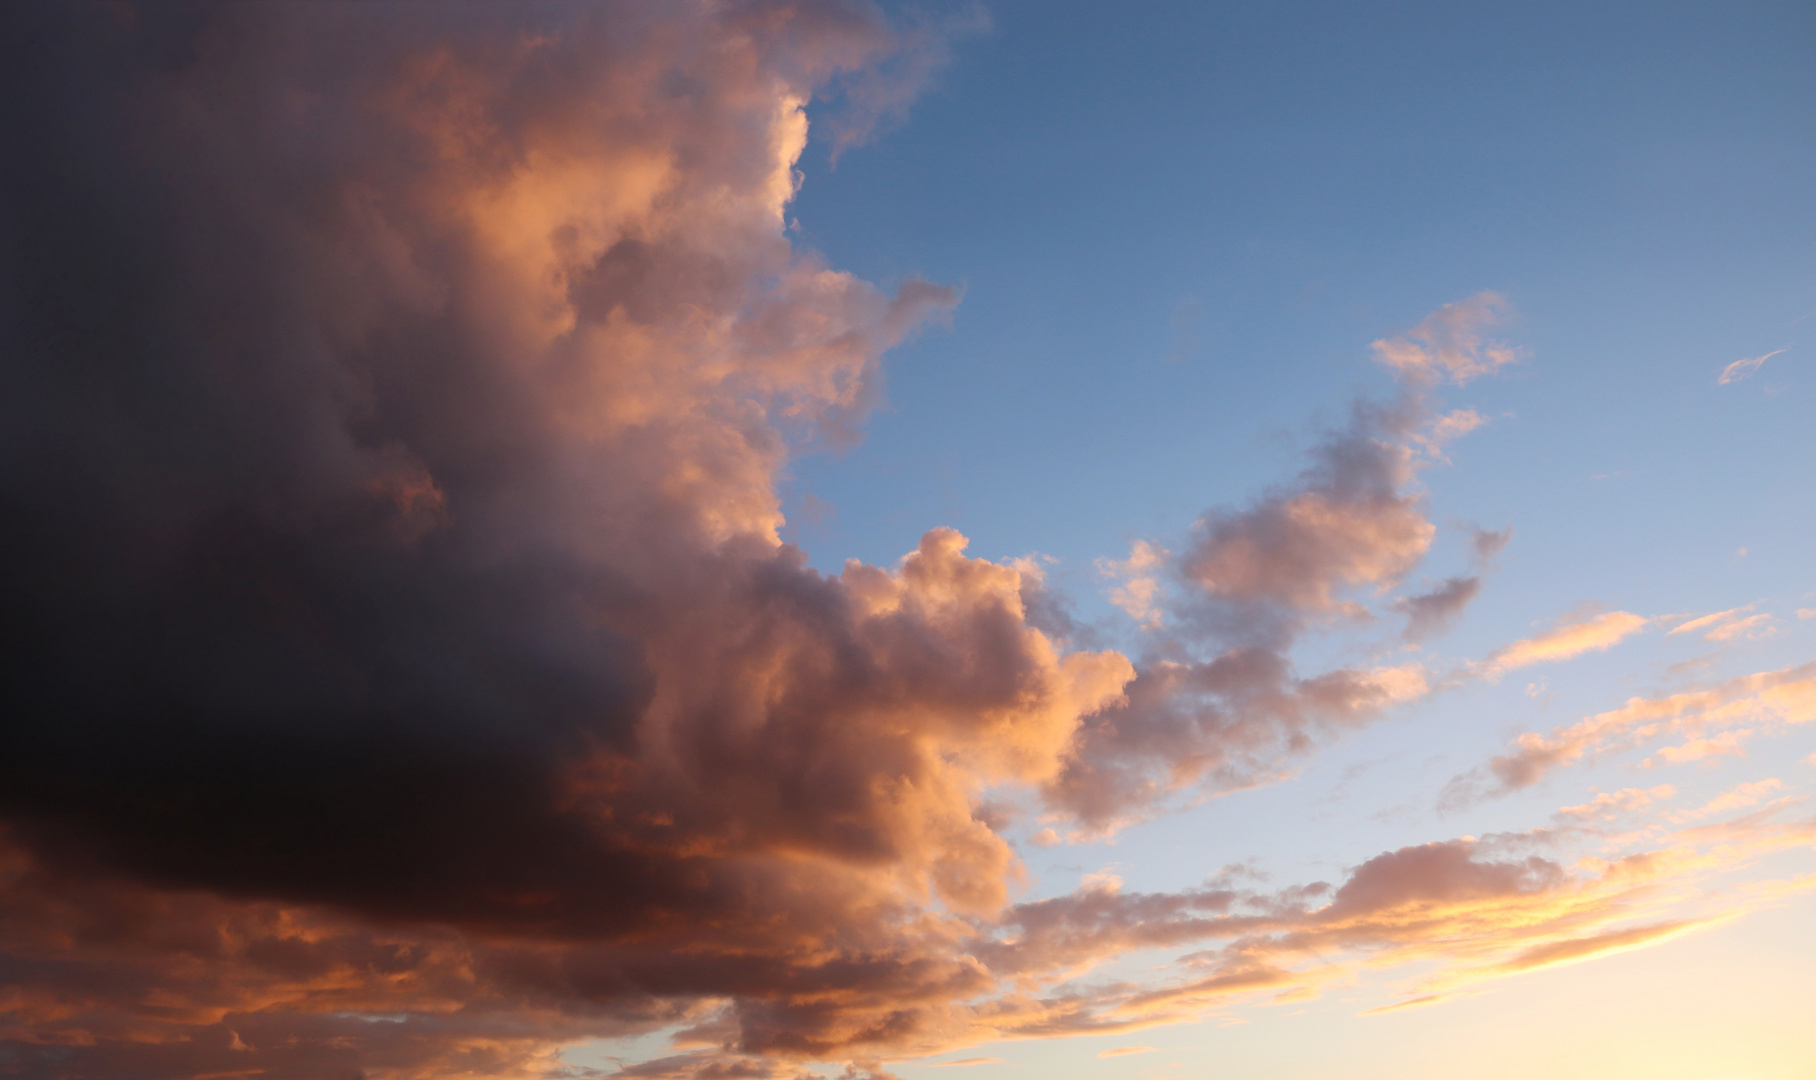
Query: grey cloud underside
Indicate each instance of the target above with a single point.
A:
(1430, 613)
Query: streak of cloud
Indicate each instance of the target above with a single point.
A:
(1741, 369)
(1714, 720)
(1569, 638)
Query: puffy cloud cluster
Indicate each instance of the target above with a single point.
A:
(392, 411)
(1218, 701)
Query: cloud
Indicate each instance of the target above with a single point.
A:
(1728, 625)
(1570, 637)
(1448, 346)
(1446, 429)
(1741, 369)
(1583, 948)
(1430, 613)
(1124, 1051)
(874, 89)
(1753, 626)
(1455, 909)
(1138, 577)
(1348, 522)
(1611, 804)
(414, 487)
(1716, 718)
(1217, 703)
(414, 679)
(1486, 544)
(1743, 795)
(1691, 626)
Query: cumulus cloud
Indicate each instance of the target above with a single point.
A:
(394, 422)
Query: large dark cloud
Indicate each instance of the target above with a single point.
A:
(392, 406)
(406, 675)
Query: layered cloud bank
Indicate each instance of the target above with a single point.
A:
(408, 678)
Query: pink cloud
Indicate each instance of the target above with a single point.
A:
(1449, 346)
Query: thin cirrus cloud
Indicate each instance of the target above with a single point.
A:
(1727, 625)
(1743, 368)
(1569, 637)
(401, 405)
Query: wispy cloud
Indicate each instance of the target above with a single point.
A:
(1727, 625)
(1714, 719)
(1741, 369)
(1568, 638)
(1450, 345)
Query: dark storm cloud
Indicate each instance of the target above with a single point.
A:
(406, 673)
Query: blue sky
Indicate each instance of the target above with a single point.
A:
(1290, 184)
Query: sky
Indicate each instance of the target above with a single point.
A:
(806, 539)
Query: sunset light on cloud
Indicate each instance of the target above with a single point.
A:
(832, 540)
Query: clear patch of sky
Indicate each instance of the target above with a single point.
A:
(1179, 226)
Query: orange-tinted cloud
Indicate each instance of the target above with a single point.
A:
(1568, 638)
(1350, 522)
(1715, 719)
(1742, 368)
